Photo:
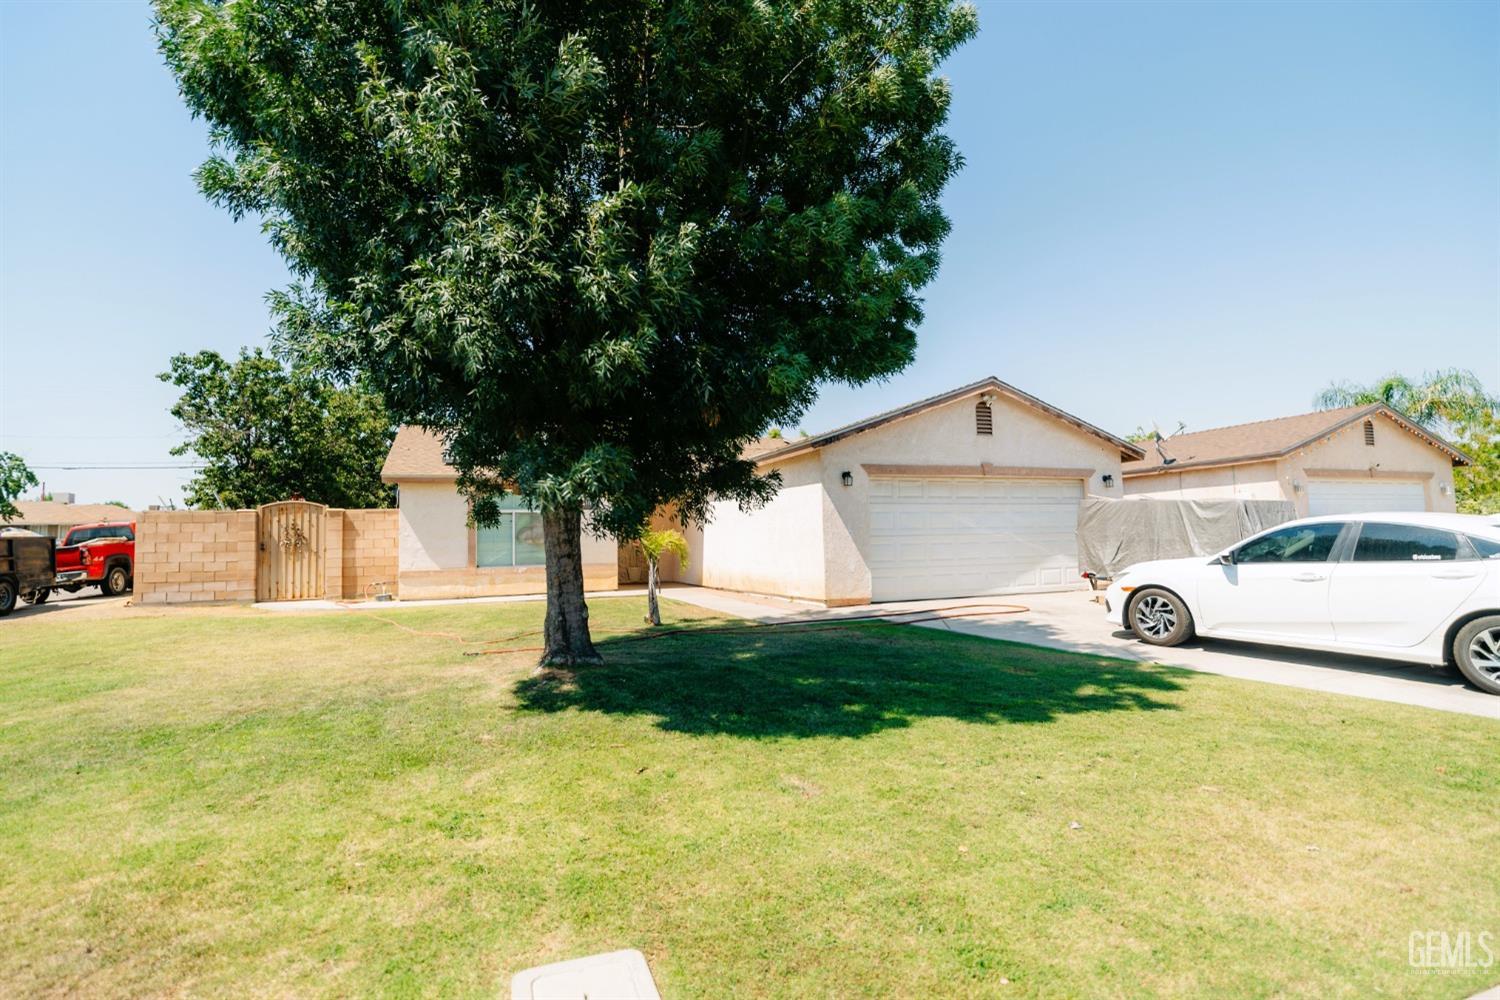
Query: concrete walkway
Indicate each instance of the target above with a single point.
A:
(1072, 621)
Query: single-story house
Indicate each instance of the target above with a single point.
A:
(440, 553)
(53, 518)
(973, 491)
(1344, 461)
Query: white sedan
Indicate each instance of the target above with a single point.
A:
(1424, 588)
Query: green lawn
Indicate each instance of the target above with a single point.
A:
(234, 802)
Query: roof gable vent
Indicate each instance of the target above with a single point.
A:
(1369, 432)
(984, 418)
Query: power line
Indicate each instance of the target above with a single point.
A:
(76, 468)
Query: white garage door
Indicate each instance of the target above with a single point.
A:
(962, 537)
(1345, 496)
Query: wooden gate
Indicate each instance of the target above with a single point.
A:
(290, 563)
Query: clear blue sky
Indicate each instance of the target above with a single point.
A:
(1194, 212)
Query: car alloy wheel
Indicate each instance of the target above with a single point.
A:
(1484, 653)
(1155, 616)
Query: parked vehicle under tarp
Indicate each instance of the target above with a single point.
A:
(1113, 534)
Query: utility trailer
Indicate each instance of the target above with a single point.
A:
(28, 569)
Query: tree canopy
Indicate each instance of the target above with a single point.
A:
(1477, 486)
(1442, 400)
(15, 478)
(267, 431)
(598, 246)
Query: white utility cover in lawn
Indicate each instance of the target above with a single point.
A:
(966, 537)
(615, 975)
(1354, 496)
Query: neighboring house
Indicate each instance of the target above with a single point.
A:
(53, 518)
(971, 492)
(1344, 461)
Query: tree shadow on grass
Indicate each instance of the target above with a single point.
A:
(851, 681)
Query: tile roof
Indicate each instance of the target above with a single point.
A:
(53, 512)
(1268, 439)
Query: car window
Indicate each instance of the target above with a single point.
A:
(1301, 543)
(1404, 543)
(1487, 548)
(80, 535)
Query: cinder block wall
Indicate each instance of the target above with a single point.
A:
(369, 551)
(183, 556)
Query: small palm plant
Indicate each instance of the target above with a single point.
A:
(657, 544)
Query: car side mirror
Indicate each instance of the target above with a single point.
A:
(1227, 559)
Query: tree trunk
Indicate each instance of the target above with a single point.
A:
(653, 613)
(566, 641)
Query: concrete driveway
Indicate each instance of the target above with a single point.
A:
(62, 606)
(1072, 621)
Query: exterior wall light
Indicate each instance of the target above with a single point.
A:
(1296, 486)
(847, 477)
(1109, 479)
(1443, 488)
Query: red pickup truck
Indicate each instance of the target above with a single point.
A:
(97, 555)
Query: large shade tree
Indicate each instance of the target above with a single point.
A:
(597, 246)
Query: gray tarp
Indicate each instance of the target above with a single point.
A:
(1113, 534)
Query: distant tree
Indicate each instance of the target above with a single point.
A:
(266, 431)
(15, 479)
(117, 503)
(597, 247)
(1154, 434)
(1446, 400)
(1477, 487)
(657, 544)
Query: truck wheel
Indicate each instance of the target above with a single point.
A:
(114, 581)
(7, 597)
(38, 596)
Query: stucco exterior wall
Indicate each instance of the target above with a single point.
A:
(437, 551)
(777, 549)
(813, 540)
(1252, 481)
(1396, 454)
(433, 531)
(945, 436)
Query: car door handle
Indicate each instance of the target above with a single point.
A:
(1309, 577)
(1454, 576)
